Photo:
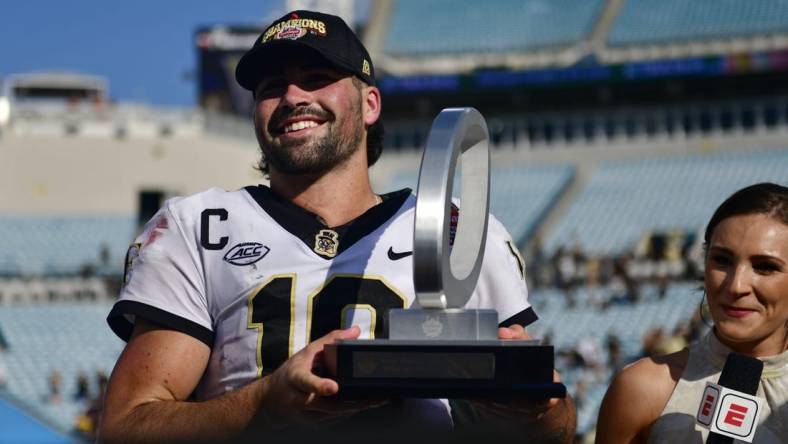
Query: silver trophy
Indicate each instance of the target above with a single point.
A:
(445, 275)
(437, 348)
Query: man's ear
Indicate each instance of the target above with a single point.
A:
(372, 104)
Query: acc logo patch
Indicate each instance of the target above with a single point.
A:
(327, 243)
(246, 253)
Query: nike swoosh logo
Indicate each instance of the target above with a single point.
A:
(397, 256)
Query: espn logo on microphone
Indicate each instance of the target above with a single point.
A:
(729, 412)
(708, 405)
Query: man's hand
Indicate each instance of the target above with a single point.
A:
(515, 408)
(295, 394)
(552, 420)
(144, 403)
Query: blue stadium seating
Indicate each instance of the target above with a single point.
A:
(666, 21)
(67, 337)
(35, 351)
(629, 322)
(44, 245)
(519, 196)
(454, 27)
(624, 199)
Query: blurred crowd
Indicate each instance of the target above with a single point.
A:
(592, 362)
(36, 289)
(584, 279)
(87, 422)
(610, 279)
(597, 282)
(89, 394)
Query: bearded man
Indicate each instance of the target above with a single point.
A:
(230, 296)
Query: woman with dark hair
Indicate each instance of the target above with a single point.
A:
(656, 399)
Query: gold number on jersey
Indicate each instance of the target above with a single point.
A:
(343, 292)
(272, 311)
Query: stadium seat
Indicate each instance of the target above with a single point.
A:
(567, 326)
(45, 338)
(519, 195)
(57, 245)
(644, 22)
(623, 199)
(461, 27)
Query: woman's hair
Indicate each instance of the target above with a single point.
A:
(762, 198)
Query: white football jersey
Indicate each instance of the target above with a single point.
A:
(257, 278)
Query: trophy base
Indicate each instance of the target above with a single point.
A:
(490, 369)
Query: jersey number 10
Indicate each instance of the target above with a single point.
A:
(272, 312)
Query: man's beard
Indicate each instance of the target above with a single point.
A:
(315, 155)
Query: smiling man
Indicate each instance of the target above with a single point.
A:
(229, 297)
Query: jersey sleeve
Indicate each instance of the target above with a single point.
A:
(501, 284)
(163, 281)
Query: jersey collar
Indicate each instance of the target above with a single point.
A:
(326, 242)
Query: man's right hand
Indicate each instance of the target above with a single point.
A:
(145, 403)
(294, 394)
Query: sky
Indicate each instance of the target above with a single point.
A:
(143, 47)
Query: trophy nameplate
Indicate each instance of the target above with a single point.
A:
(437, 348)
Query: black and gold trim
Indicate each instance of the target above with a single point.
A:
(123, 327)
(518, 257)
(307, 226)
(131, 255)
(524, 318)
(271, 311)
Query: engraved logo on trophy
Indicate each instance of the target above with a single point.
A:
(432, 327)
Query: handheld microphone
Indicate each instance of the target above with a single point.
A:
(730, 408)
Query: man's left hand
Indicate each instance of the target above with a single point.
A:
(519, 407)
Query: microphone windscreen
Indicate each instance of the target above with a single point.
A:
(742, 373)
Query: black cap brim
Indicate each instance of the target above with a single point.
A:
(262, 61)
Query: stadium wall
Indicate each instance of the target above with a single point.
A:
(83, 175)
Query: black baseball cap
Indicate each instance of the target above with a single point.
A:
(326, 34)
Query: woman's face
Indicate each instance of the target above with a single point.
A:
(746, 280)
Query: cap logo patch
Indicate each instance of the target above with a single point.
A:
(290, 33)
(293, 29)
(365, 68)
